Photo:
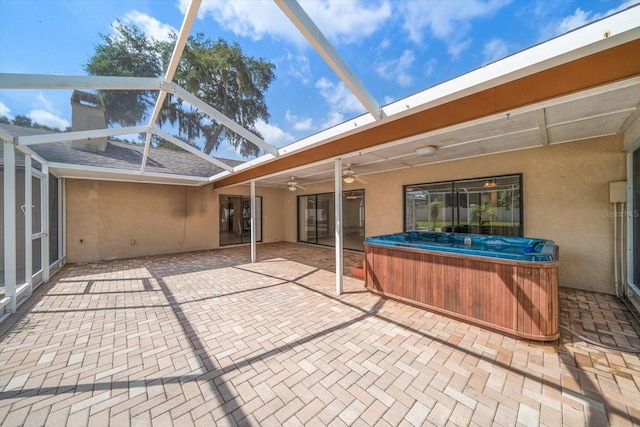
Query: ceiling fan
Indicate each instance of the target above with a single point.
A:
(348, 176)
(293, 185)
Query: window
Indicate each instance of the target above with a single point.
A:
(490, 205)
(316, 222)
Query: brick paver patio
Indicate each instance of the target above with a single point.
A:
(208, 338)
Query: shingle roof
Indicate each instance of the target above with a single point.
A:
(121, 155)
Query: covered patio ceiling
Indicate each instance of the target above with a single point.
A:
(581, 85)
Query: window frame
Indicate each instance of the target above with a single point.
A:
(454, 208)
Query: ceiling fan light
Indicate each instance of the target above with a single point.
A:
(349, 179)
(292, 188)
(426, 150)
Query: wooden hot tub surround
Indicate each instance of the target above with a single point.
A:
(518, 298)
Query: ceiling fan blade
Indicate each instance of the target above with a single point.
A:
(301, 187)
(361, 180)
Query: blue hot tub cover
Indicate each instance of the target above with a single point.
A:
(501, 247)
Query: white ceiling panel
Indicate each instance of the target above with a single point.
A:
(606, 103)
(591, 128)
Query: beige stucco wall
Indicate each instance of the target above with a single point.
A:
(109, 220)
(566, 197)
(104, 218)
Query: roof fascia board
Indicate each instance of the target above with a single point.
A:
(178, 48)
(47, 81)
(83, 134)
(67, 170)
(321, 44)
(514, 112)
(224, 120)
(190, 149)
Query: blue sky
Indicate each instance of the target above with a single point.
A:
(395, 47)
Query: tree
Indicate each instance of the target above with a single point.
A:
(434, 211)
(159, 142)
(130, 53)
(216, 72)
(481, 213)
(22, 121)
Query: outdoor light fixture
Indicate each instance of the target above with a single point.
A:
(426, 150)
(490, 183)
(349, 179)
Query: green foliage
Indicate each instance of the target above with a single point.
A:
(25, 121)
(158, 142)
(509, 199)
(434, 211)
(130, 54)
(22, 121)
(216, 72)
(481, 213)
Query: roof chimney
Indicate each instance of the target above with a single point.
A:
(88, 113)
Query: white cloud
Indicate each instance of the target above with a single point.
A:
(150, 25)
(297, 66)
(46, 114)
(44, 102)
(252, 19)
(577, 19)
(48, 119)
(449, 21)
(341, 100)
(5, 111)
(397, 69)
(430, 66)
(339, 96)
(273, 134)
(298, 123)
(347, 21)
(495, 49)
(332, 119)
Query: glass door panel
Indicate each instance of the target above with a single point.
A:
(37, 225)
(353, 220)
(325, 222)
(235, 219)
(53, 220)
(316, 219)
(636, 217)
(20, 225)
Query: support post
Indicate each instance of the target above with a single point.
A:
(253, 220)
(338, 225)
(10, 224)
(28, 223)
(45, 224)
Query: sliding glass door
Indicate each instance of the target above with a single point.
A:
(235, 219)
(316, 219)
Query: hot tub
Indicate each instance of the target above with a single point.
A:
(508, 284)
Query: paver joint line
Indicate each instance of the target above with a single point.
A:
(209, 336)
